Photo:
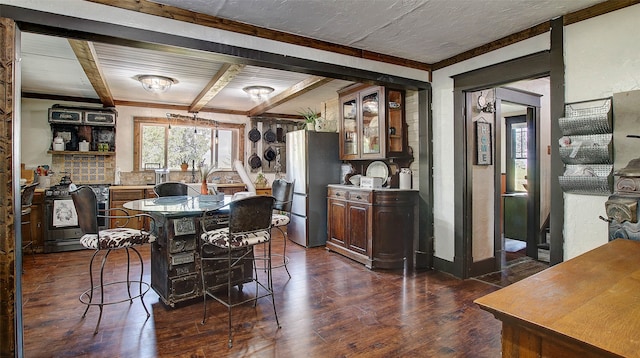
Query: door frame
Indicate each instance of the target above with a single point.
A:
(540, 64)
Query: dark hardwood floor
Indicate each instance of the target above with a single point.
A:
(331, 307)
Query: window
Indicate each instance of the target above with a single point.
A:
(517, 144)
(165, 144)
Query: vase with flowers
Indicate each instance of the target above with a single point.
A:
(205, 171)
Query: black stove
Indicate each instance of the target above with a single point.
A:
(61, 229)
(62, 191)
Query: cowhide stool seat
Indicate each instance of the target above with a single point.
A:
(105, 241)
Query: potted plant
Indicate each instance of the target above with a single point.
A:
(184, 165)
(261, 181)
(310, 117)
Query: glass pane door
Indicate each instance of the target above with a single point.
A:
(396, 129)
(370, 124)
(350, 127)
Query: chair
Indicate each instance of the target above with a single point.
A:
(86, 205)
(171, 189)
(26, 198)
(282, 190)
(249, 225)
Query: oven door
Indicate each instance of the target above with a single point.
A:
(61, 229)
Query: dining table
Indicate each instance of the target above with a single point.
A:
(176, 269)
(587, 306)
(179, 205)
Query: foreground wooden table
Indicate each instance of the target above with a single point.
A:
(588, 306)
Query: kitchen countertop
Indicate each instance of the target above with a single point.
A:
(353, 187)
(150, 186)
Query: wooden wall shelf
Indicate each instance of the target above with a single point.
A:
(74, 152)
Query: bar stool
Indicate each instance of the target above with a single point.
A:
(249, 225)
(170, 189)
(26, 198)
(282, 190)
(105, 241)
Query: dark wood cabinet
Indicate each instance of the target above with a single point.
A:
(348, 223)
(119, 196)
(375, 227)
(230, 189)
(372, 123)
(35, 232)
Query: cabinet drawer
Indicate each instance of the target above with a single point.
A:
(182, 244)
(218, 279)
(182, 258)
(127, 195)
(181, 270)
(340, 194)
(360, 196)
(183, 287)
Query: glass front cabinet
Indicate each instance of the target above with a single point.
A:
(372, 124)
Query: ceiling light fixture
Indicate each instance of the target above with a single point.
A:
(156, 84)
(258, 92)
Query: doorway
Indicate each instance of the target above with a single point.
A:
(537, 66)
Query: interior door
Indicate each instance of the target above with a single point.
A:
(523, 137)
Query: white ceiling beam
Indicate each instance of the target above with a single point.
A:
(225, 74)
(86, 55)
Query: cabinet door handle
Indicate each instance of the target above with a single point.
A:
(358, 197)
(337, 194)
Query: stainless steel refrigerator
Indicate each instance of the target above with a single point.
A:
(313, 161)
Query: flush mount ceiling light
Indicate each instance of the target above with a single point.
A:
(156, 84)
(258, 92)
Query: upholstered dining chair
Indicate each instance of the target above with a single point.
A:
(105, 241)
(171, 189)
(249, 225)
(282, 191)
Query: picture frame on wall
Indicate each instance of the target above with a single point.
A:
(484, 144)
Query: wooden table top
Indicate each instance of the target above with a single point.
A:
(593, 298)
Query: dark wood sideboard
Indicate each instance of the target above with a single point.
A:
(376, 227)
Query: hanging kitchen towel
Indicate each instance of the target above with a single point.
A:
(64, 213)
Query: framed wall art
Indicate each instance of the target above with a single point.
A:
(484, 144)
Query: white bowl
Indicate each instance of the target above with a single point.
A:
(355, 180)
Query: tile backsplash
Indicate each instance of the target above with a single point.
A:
(84, 169)
(149, 177)
(100, 169)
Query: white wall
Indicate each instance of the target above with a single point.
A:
(36, 132)
(602, 57)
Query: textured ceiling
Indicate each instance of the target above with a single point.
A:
(422, 30)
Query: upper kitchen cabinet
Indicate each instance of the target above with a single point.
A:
(372, 123)
(82, 130)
